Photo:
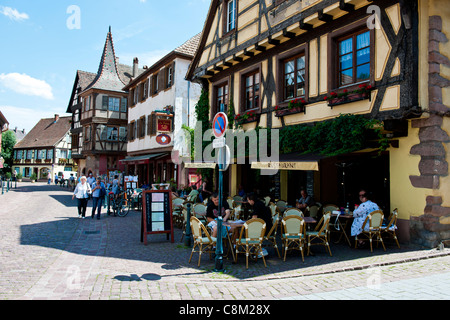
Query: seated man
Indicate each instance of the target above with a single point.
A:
(212, 212)
(305, 200)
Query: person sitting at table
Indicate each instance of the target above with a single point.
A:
(145, 186)
(193, 194)
(212, 212)
(305, 200)
(260, 211)
(360, 214)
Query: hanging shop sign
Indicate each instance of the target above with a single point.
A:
(164, 125)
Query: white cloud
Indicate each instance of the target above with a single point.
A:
(24, 84)
(13, 14)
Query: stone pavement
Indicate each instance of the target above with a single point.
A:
(48, 253)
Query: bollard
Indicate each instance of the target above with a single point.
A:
(3, 188)
(7, 185)
(187, 239)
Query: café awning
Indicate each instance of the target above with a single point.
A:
(292, 161)
(142, 159)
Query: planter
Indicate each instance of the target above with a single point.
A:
(287, 111)
(243, 120)
(353, 97)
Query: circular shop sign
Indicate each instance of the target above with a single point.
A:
(163, 139)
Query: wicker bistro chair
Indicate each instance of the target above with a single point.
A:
(293, 212)
(293, 236)
(281, 205)
(314, 211)
(203, 241)
(391, 226)
(321, 233)
(251, 238)
(199, 210)
(271, 236)
(375, 220)
(177, 211)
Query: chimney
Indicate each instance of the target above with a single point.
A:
(56, 117)
(135, 67)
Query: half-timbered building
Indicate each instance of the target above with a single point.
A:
(98, 106)
(288, 63)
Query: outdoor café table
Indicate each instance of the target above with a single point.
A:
(343, 220)
(236, 227)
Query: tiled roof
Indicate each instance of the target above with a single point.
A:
(46, 133)
(190, 46)
(85, 78)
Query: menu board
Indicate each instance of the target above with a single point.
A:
(156, 214)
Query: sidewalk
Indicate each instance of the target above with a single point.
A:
(48, 253)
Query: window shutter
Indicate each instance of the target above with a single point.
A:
(161, 85)
(172, 81)
(154, 124)
(129, 132)
(164, 79)
(149, 124)
(130, 98)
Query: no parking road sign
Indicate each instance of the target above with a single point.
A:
(220, 124)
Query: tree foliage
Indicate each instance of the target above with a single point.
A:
(7, 151)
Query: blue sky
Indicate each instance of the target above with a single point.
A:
(43, 43)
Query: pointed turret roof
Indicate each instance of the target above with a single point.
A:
(108, 77)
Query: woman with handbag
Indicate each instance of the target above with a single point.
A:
(82, 191)
(98, 193)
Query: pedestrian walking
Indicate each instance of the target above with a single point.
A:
(82, 191)
(98, 193)
(90, 179)
(56, 179)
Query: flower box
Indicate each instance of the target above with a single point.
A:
(362, 93)
(247, 117)
(294, 106)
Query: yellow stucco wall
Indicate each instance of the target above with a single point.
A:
(410, 201)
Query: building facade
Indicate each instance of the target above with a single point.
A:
(99, 115)
(160, 102)
(291, 65)
(46, 150)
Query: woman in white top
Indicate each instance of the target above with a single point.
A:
(362, 212)
(82, 191)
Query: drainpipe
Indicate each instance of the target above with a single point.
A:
(188, 103)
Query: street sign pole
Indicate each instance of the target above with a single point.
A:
(219, 244)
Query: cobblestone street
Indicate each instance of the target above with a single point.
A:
(47, 252)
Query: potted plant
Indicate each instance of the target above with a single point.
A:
(33, 177)
(19, 177)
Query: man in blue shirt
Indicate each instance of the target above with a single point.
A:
(98, 193)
